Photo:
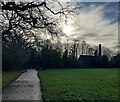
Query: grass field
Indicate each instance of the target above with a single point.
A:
(9, 76)
(79, 84)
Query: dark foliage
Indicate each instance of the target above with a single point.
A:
(53, 58)
(115, 61)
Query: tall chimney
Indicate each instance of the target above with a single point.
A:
(100, 50)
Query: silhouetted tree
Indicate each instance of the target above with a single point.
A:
(115, 61)
(65, 58)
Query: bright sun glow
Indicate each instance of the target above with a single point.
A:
(67, 29)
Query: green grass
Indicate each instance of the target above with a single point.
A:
(9, 76)
(79, 84)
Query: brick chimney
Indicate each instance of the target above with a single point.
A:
(100, 53)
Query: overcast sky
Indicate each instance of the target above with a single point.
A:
(96, 23)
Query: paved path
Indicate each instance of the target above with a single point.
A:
(26, 87)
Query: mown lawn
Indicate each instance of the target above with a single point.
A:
(79, 84)
(10, 76)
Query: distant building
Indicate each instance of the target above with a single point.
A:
(89, 61)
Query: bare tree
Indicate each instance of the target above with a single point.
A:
(36, 15)
(27, 16)
(19, 21)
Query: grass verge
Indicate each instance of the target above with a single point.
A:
(79, 84)
(9, 76)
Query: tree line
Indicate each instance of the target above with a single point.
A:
(54, 56)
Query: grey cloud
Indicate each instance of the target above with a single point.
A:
(95, 28)
(116, 47)
(90, 35)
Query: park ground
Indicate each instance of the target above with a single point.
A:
(10, 76)
(79, 84)
(74, 84)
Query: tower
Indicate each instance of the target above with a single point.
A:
(100, 53)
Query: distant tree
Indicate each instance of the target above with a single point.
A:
(115, 61)
(65, 58)
(90, 51)
(83, 45)
(51, 58)
(107, 52)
